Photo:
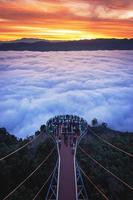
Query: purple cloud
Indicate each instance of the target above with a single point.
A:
(36, 86)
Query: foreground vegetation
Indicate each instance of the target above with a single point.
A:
(114, 160)
(15, 169)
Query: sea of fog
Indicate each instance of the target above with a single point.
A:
(35, 86)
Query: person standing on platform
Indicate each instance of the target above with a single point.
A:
(59, 142)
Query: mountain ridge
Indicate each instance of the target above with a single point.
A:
(33, 44)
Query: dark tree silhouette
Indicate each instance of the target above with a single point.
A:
(104, 125)
(94, 122)
(43, 128)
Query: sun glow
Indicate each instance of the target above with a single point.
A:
(65, 20)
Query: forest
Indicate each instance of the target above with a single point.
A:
(112, 159)
(16, 168)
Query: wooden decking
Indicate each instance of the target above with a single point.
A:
(67, 189)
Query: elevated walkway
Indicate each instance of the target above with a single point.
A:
(67, 188)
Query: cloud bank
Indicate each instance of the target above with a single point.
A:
(35, 86)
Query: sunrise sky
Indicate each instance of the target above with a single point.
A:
(66, 19)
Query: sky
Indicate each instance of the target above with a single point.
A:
(35, 86)
(66, 19)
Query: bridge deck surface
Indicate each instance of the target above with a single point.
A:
(67, 177)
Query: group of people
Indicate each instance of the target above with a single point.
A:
(68, 139)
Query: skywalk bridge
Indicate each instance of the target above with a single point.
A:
(67, 131)
(65, 181)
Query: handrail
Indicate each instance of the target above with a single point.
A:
(75, 171)
(38, 193)
(58, 181)
(77, 143)
(58, 174)
(55, 141)
(51, 181)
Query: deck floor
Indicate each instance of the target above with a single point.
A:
(67, 177)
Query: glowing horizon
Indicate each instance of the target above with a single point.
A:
(65, 19)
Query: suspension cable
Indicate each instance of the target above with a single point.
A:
(105, 141)
(102, 193)
(12, 153)
(33, 172)
(38, 193)
(119, 179)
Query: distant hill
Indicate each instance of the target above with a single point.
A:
(25, 40)
(33, 44)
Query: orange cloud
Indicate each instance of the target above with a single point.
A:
(65, 19)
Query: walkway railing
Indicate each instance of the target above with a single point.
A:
(78, 178)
